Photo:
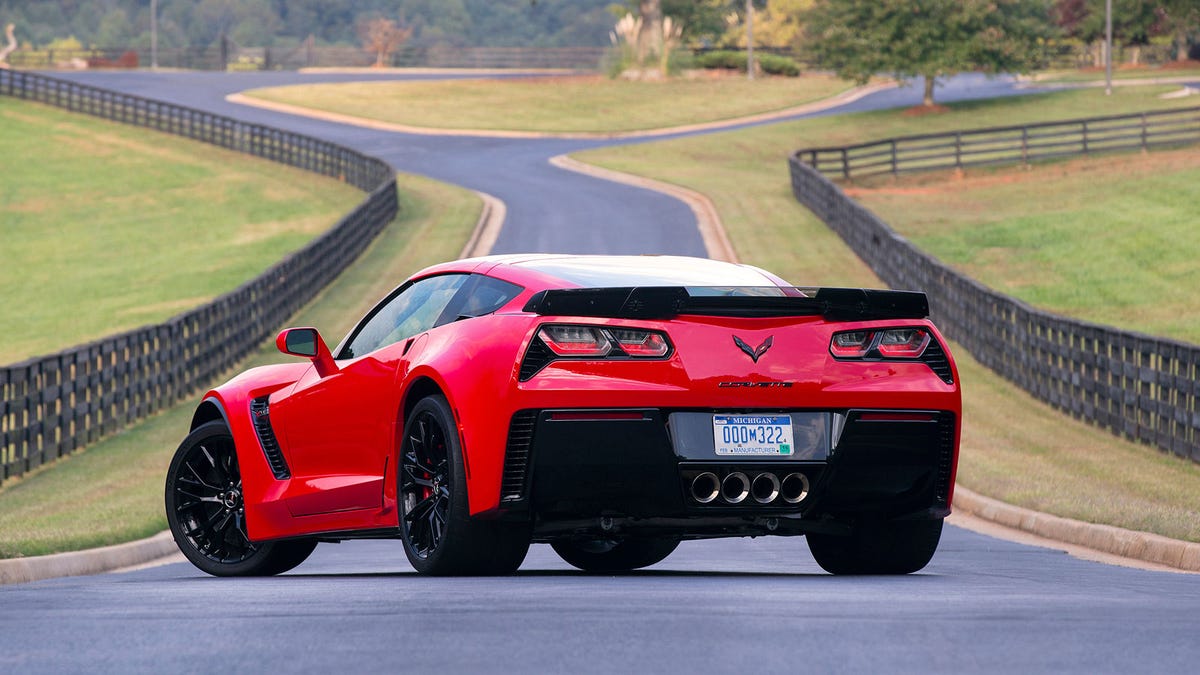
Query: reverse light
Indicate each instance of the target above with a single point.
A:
(890, 343)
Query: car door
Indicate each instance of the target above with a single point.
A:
(337, 430)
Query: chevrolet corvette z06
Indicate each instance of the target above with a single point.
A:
(610, 406)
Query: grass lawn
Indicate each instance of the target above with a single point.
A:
(1014, 448)
(108, 227)
(1112, 240)
(560, 104)
(113, 491)
(1122, 72)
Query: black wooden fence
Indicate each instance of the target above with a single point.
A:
(1007, 145)
(1137, 386)
(53, 405)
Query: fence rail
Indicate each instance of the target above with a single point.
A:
(53, 405)
(1008, 145)
(228, 55)
(1137, 386)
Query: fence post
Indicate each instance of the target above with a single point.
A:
(1085, 137)
(845, 164)
(1144, 146)
(958, 151)
(1025, 146)
(895, 169)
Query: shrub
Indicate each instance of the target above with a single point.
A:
(771, 64)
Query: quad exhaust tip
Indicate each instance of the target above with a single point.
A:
(765, 488)
(706, 487)
(794, 488)
(735, 488)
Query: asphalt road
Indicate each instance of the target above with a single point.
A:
(982, 605)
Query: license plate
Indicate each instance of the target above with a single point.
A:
(753, 435)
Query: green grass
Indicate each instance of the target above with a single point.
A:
(108, 227)
(565, 104)
(113, 491)
(1121, 72)
(1014, 448)
(1112, 240)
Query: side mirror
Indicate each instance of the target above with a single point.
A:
(307, 342)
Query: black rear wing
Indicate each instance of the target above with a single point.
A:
(664, 302)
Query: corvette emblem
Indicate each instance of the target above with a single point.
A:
(756, 352)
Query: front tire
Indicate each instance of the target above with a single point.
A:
(614, 555)
(899, 547)
(439, 535)
(207, 515)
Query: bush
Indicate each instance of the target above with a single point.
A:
(771, 64)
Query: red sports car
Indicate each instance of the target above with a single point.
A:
(609, 406)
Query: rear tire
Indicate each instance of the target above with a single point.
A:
(899, 547)
(439, 535)
(208, 516)
(614, 555)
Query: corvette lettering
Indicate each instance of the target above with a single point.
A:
(756, 385)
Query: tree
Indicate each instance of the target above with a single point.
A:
(381, 37)
(926, 38)
(1181, 19)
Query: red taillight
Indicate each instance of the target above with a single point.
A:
(851, 345)
(603, 342)
(890, 343)
(576, 340)
(643, 343)
(905, 343)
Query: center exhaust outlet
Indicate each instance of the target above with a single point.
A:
(765, 488)
(735, 488)
(706, 487)
(794, 488)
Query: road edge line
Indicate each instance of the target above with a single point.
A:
(487, 228)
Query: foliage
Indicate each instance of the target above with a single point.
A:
(381, 37)
(926, 38)
(200, 23)
(771, 64)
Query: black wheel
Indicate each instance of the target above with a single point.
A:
(439, 535)
(900, 547)
(614, 555)
(207, 515)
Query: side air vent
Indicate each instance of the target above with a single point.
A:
(945, 441)
(536, 358)
(516, 455)
(260, 413)
(935, 358)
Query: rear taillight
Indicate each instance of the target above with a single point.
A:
(889, 343)
(567, 341)
(576, 340)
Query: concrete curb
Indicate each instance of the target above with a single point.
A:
(491, 219)
(1144, 546)
(92, 561)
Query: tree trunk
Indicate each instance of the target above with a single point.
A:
(649, 37)
(10, 47)
(930, 81)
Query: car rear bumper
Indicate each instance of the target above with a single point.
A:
(627, 470)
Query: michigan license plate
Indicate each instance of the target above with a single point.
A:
(753, 435)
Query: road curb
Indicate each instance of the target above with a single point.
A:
(91, 561)
(1144, 546)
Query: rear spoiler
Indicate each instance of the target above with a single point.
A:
(664, 302)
